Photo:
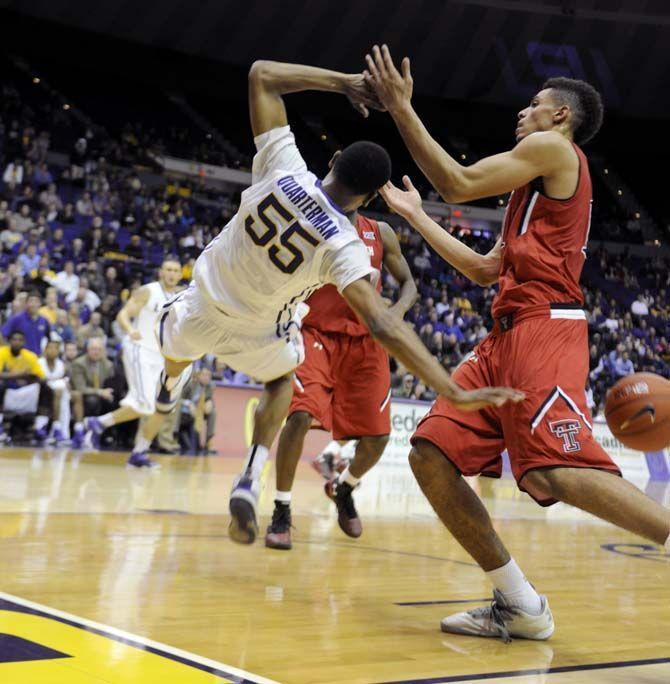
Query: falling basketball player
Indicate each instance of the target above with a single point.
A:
(344, 385)
(538, 343)
(142, 363)
(292, 234)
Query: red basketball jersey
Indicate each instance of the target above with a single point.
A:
(544, 246)
(328, 310)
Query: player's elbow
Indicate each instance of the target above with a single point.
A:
(259, 72)
(381, 325)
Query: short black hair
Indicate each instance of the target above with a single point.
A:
(584, 102)
(363, 167)
(14, 333)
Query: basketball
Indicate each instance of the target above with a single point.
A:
(637, 409)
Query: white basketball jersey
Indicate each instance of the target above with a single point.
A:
(287, 240)
(145, 323)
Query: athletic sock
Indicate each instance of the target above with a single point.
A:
(107, 420)
(283, 497)
(517, 590)
(78, 427)
(41, 421)
(346, 476)
(256, 458)
(55, 426)
(667, 544)
(141, 443)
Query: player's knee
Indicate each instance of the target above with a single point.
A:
(545, 484)
(375, 445)
(425, 457)
(299, 422)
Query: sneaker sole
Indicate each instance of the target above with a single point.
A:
(243, 528)
(278, 546)
(541, 636)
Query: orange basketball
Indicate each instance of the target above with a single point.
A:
(637, 409)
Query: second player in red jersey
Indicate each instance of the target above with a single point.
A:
(343, 386)
(539, 341)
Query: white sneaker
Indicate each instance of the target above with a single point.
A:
(243, 527)
(502, 620)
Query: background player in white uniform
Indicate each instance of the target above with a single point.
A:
(142, 362)
(291, 235)
(55, 374)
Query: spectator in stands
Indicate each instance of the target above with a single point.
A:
(197, 412)
(67, 215)
(84, 205)
(84, 297)
(90, 330)
(67, 281)
(623, 365)
(50, 310)
(56, 393)
(23, 221)
(13, 174)
(404, 391)
(62, 328)
(640, 307)
(50, 198)
(78, 252)
(35, 328)
(90, 397)
(29, 260)
(10, 236)
(42, 176)
(20, 374)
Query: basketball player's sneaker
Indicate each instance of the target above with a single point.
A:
(77, 438)
(93, 429)
(347, 517)
(278, 535)
(324, 464)
(502, 620)
(243, 527)
(139, 459)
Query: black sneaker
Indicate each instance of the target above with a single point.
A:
(347, 517)
(278, 535)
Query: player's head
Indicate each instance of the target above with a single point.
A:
(170, 272)
(17, 341)
(52, 350)
(566, 105)
(360, 170)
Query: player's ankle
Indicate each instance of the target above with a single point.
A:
(510, 581)
(283, 498)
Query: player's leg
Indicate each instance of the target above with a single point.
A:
(270, 412)
(607, 496)
(361, 408)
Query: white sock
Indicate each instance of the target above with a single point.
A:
(256, 458)
(516, 589)
(55, 426)
(346, 476)
(78, 427)
(142, 443)
(283, 497)
(667, 544)
(107, 420)
(41, 421)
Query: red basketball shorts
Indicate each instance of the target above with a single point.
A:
(344, 384)
(547, 358)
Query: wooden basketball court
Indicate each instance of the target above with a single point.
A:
(117, 576)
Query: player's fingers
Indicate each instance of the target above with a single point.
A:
(388, 60)
(407, 182)
(379, 60)
(406, 73)
(372, 67)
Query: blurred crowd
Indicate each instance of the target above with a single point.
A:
(80, 232)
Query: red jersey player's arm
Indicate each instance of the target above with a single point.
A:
(542, 154)
(268, 81)
(396, 264)
(403, 343)
(482, 269)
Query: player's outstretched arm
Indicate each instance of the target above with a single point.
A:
(482, 269)
(268, 81)
(403, 343)
(539, 154)
(396, 264)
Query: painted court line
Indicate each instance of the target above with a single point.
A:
(199, 662)
(442, 603)
(449, 679)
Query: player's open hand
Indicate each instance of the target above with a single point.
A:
(473, 400)
(407, 202)
(393, 87)
(361, 95)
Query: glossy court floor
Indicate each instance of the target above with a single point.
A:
(116, 576)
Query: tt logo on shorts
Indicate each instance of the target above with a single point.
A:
(567, 430)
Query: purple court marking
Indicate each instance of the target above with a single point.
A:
(538, 671)
(644, 551)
